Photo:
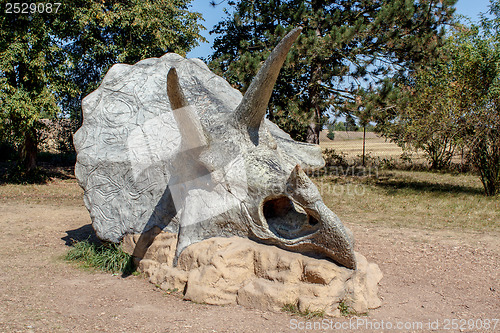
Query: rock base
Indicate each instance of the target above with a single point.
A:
(239, 271)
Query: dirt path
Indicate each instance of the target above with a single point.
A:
(428, 276)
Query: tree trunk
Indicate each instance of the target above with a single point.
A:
(313, 131)
(314, 127)
(29, 150)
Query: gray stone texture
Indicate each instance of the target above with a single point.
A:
(196, 158)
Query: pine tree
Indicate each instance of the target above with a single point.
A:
(343, 44)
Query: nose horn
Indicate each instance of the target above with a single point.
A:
(253, 106)
(333, 239)
(174, 91)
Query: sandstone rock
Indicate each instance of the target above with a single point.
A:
(239, 271)
(151, 245)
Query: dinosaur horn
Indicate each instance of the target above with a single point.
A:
(253, 106)
(188, 122)
(174, 91)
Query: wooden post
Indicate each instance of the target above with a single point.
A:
(364, 135)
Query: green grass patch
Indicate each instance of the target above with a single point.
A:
(107, 257)
(344, 309)
(412, 199)
(307, 314)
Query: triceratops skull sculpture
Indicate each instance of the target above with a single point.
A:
(203, 162)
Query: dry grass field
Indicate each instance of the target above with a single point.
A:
(411, 199)
(396, 198)
(351, 143)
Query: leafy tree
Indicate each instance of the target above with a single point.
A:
(343, 44)
(455, 102)
(32, 67)
(477, 90)
(340, 126)
(49, 60)
(425, 116)
(103, 33)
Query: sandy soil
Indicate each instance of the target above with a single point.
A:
(429, 276)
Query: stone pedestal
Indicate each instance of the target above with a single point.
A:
(239, 271)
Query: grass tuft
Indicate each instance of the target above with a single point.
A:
(307, 314)
(347, 311)
(344, 309)
(106, 257)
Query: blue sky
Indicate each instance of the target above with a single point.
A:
(469, 8)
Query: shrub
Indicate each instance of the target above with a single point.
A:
(332, 158)
(485, 157)
(331, 131)
(331, 134)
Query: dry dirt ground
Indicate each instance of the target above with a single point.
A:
(429, 277)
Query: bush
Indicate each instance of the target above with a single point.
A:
(331, 131)
(332, 158)
(331, 134)
(370, 161)
(485, 157)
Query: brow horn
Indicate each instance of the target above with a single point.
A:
(192, 135)
(174, 91)
(253, 106)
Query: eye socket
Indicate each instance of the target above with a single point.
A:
(277, 207)
(287, 219)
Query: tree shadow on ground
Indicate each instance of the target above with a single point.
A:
(59, 172)
(392, 185)
(11, 173)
